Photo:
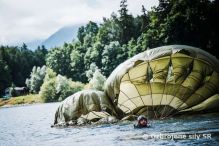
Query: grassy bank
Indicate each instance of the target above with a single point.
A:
(27, 99)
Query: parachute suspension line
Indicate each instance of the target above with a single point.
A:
(141, 100)
(174, 95)
(129, 98)
(185, 91)
(147, 113)
(176, 109)
(136, 90)
(148, 105)
(188, 73)
(166, 79)
(127, 108)
(148, 80)
(149, 73)
(131, 111)
(139, 94)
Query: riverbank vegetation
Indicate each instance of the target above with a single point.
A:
(104, 46)
(20, 100)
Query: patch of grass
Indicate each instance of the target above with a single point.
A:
(26, 99)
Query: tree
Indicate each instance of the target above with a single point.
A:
(144, 20)
(126, 23)
(98, 80)
(190, 22)
(183, 22)
(59, 60)
(36, 79)
(91, 27)
(91, 71)
(48, 88)
(5, 77)
(77, 66)
(133, 48)
(89, 39)
(94, 55)
(81, 34)
(65, 87)
(86, 33)
(109, 31)
(40, 55)
(57, 88)
(20, 61)
(109, 59)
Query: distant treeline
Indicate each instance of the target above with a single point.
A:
(188, 22)
(16, 64)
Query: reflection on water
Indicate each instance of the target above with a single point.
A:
(30, 125)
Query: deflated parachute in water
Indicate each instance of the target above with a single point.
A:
(158, 83)
(89, 105)
(164, 81)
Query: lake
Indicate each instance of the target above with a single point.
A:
(30, 126)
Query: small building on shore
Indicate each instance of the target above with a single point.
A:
(15, 91)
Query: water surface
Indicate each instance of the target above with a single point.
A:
(30, 126)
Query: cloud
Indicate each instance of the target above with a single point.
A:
(27, 20)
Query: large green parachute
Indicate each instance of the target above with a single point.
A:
(162, 82)
(166, 80)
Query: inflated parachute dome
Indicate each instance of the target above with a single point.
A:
(162, 82)
(166, 80)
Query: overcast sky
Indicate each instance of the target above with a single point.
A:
(28, 20)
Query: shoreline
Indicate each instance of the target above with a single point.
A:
(18, 105)
(21, 101)
(25, 104)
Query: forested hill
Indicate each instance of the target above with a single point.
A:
(121, 36)
(188, 22)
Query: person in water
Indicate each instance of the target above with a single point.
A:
(142, 122)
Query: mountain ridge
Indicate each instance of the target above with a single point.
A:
(63, 35)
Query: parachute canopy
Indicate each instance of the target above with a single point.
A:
(158, 83)
(166, 80)
(88, 104)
